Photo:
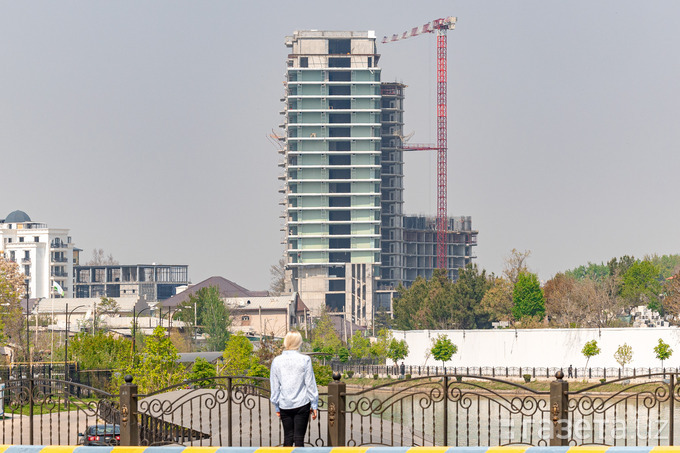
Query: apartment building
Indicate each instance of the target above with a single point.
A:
(45, 255)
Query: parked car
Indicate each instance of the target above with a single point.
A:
(100, 435)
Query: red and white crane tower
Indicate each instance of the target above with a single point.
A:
(438, 26)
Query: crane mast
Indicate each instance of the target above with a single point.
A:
(438, 26)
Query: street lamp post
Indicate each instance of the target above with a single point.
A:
(135, 317)
(28, 335)
(68, 316)
(30, 364)
(169, 314)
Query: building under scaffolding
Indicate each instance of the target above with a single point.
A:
(348, 243)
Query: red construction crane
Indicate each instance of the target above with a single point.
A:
(438, 26)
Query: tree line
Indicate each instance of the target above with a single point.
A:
(592, 295)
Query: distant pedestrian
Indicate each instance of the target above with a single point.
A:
(402, 370)
(570, 372)
(293, 390)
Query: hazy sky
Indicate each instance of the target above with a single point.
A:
(142, 125)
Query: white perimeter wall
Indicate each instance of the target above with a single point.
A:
(542, 347)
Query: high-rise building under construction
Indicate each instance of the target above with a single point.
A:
(343, 180)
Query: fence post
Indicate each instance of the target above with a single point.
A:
(671, 410)
(446, 410)
(336, 412)
(129, 425)
(31, 395)
(559, 402)
(230, 395)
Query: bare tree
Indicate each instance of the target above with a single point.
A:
(497, 301)
(515, 264)
(278, 277)
(100, 259)
(12, 291)
(671, 300)
(564, 305)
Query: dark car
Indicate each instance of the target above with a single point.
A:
(100, 435)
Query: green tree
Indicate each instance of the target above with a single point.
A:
(343, 354)
(468, 293)
(359, 346)
(668, 265)
(383, 318)
(379, 347)
(323, 374)
(101, 351)
(238, 356)
(215, 320)
(202, 369)
(443, 348)
(324, 337)
(590, 271)
(397, 350)
(663, 351)
(624, 355)
(439, 303)
(157, 365)
(590, 349)
(206, 310)
(408, 302)
(259, 370)
(619, 266)
(527, 297)
(639, 285)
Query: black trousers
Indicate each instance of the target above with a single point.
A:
(294, 423)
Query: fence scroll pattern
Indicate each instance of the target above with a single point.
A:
(639, 413)
(229, 411)
(453, 410)
(53, 412)
(445, 410)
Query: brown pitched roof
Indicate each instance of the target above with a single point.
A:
(226, 287)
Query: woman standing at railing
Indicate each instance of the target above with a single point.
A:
(293, 390)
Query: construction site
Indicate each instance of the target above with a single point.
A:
(349, 244)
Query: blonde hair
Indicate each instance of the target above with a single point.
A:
(292, 341)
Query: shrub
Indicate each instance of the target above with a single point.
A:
(375, 376)
(603, 380)
(459, 378)
(527, 378)
(408, 376)
(322, 373)
(350, 373)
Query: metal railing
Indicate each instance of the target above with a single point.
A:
(445, 410)
(370, 370)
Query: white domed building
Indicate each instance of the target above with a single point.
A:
(45, 255)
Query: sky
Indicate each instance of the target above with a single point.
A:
(142, 126)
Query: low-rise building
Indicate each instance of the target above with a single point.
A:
(150, 282)
(267, 315)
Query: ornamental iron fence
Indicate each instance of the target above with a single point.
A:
(451, 409)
